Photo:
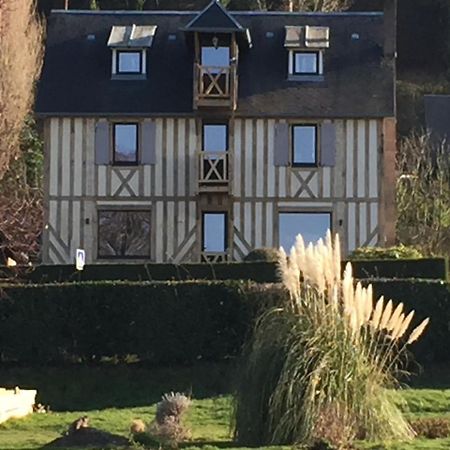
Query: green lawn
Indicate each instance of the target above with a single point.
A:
(113, 397)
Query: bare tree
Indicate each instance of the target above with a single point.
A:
(20, 61)
(319, 5)
(423, 194)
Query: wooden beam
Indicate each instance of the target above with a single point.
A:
(388, 210)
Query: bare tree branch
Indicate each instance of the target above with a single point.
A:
(21, 52)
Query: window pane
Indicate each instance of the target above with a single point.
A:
(124, 234)
(129, 62)
(215, 138)
(306, 63)
(312, 226)
(125, 139)
(214, 229)
(304, 144)
(218, 57)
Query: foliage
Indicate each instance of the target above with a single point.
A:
(429, 298)
(423, 268)
(157, 322)
(20, 62)
(423, 194)
(263, 254)
(396, 252)
(432, 428)
(263, 272)
(324, 359)
(168, 428)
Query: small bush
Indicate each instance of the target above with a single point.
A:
(263, 254)
(432, 428)
(397, 252)
(168, 428)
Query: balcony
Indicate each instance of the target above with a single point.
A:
(213, 171)
(214, 257)
(215, 86)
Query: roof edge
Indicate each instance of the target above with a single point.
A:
(232, 13)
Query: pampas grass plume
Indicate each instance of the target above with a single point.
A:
(418, 331)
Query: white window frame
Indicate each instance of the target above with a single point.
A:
(291, 62)
(114, 68)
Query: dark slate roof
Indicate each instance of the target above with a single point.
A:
(437, 116)
(76, 77)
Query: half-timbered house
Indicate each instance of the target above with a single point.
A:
(182, 136)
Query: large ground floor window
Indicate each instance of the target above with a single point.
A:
(123, 234)
(311, 225)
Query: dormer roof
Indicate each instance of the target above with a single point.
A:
(214, 18)
(131, 36)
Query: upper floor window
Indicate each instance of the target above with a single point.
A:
(215, 56)
(215, 137)
(129, 62)
(306, 63)
(125, 137)
(304, 145)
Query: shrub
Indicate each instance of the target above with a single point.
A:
(323, 359)
(263, 254)
(432, 428)
(397, 252)
(159, 322)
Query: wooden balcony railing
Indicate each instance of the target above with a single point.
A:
(214, 257)
(214, 85)
(213, 170)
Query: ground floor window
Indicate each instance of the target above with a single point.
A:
(311, 225)
(214, 234)
(123, 234)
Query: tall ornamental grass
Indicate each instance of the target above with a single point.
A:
(321, 365)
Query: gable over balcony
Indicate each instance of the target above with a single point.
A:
(217, 38)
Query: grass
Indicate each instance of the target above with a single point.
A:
(140, 389)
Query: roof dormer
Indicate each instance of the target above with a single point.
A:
(217, 38)
(306, 46)
(129, 45)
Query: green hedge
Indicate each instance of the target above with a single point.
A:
(166, 323)
(262, 272)
(159, 322)
(423, 268)
(258, 271)
(429, 299)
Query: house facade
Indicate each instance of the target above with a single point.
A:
(189, 136)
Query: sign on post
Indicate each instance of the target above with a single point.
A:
(80, 259)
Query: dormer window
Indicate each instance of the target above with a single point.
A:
(129, 46)
(306, 46)
(129, 62)
(306, 63)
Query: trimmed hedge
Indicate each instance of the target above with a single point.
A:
(423, 268)
(258, 271)
(429, 299)
(166, 323)
(159, 322)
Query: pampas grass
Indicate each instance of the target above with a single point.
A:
(323, 360)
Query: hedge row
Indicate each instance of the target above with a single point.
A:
(159, 322)
(170, 322)
(261, 272)
(429, 299)
(423, 268)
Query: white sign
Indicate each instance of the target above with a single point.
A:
(80, 259)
